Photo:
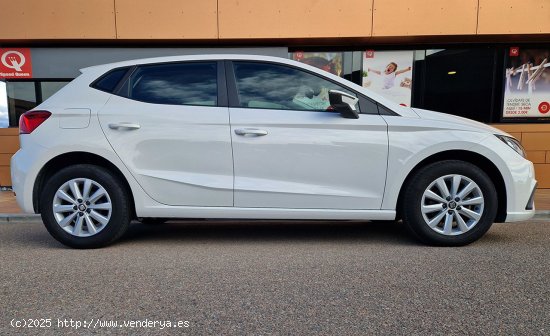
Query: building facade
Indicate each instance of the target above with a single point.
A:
(486, 60)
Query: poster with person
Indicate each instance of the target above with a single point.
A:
(527, 83)
(328, 61)
(389, 73)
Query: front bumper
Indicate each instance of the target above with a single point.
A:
(528, 212)
(520, 193)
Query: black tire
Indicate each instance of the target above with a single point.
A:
(120, 215)
(152, 221)
(413, 191)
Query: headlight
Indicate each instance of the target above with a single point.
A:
(513, 143)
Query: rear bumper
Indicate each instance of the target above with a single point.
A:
(22, 181)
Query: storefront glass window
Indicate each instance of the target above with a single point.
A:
(17, 98)
(21, 98)
(4, 119)
(49, 88)
(458, 82)
(328, 61)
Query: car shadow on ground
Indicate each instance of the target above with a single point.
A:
(257, 231)
(271, 231)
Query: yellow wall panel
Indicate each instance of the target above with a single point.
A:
(57, 19)
(536, 156)
(519, 128)
(166, 19)
(5, 159)
(9, 144)
(536, 141)
(9, 131)
(514, 17)
(424, 17)
(5, 177)
(542, 172)
(294, 18)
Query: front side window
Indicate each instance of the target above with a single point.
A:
(272, 86)
(176, 84)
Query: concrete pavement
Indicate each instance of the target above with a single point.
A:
(292, 278)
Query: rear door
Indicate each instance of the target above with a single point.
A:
(290, 151)
(170, 126)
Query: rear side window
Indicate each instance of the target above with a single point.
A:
(176, 84)
(110, 80)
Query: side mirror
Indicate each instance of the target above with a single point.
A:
(344, 103)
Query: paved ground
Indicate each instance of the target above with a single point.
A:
(281, 278)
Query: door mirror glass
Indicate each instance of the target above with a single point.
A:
(344, 103)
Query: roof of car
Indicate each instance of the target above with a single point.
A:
(204, 57)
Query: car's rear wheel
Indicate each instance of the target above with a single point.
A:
(84, 206)
(449, 203)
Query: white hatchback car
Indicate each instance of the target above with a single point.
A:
(233, 136)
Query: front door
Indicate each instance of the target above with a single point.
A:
(290, 152)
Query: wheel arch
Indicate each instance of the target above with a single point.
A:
(471, 157)
(60, 161)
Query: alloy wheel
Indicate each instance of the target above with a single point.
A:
(452, 204)
(82, 207)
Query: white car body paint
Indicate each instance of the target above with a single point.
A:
(190, 186)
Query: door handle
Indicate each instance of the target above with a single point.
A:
(250, 131)
(124, 125)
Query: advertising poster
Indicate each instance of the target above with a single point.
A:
(527, 86)
(331, 62)
(389, 73)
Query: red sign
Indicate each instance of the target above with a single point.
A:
(369, 54)
(544, 107)
(514, 51)
(15, 63)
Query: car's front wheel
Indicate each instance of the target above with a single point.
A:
(449, 203)
(84, 206)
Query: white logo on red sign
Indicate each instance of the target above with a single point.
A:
(13, 59)
(15, 63)
(544, 107)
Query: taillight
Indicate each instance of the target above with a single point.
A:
(30, 120)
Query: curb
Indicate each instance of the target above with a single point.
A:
(543, 215)
(12, 218)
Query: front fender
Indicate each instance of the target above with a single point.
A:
(409, 148)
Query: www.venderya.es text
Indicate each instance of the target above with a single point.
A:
(47, 323)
